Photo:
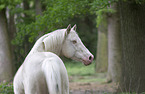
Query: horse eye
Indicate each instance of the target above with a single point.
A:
(74, 41)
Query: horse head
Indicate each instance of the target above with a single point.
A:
(74, 48)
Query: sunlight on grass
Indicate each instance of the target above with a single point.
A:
(77, 68)
(80, 73)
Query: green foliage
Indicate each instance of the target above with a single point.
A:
(101, 4)
(6, 88)
(56, 15)
(101, 7)
(8, 3)
(100, 14)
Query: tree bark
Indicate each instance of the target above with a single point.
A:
(114, 45)
(12, 32)
(102, 53)
(38, 7)
(11, 26)
(26, 42)
(26, 7)
(133, 46)
(38, 11)
(6, 69)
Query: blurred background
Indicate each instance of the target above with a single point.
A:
(104, 26)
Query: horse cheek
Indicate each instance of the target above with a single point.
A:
(68, 51)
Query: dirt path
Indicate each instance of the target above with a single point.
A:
(92, 88)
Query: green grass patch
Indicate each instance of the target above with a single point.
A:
(78, 72)
(77, 68)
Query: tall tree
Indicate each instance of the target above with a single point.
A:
(6, 69)
(114, 45)
(133, 45)
(26, 7)
(102, 52)
(12, 32)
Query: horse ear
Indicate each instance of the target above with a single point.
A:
(68, 29)
(74, 27)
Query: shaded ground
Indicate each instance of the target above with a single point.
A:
(91, 88)
(87, 85)
(84, 79)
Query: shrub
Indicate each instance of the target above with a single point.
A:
(6, 88)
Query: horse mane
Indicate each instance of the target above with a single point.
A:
(55, 40)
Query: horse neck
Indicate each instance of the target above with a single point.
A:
(56, 42)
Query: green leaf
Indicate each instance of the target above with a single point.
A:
(2, 6)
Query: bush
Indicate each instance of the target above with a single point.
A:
(6, 88)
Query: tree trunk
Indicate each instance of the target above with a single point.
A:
(6, 69)
(114, 46)
(133, 46)
(38, 7)
(102, 57)
(12, 32)
(26, 7)
(26, 42)
(38, 10)
(11, 26)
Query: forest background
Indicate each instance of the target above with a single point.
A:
(113, 30)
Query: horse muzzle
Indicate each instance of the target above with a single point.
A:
(88, 61)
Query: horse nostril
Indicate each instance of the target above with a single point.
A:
(90, 58)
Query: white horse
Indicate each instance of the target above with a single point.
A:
(43, 72)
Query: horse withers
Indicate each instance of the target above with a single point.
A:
(43, 72)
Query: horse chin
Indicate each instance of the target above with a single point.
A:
(86, 63)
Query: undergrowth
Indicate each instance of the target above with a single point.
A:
(6, 88)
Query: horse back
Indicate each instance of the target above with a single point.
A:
(45, 72)
(56, 75)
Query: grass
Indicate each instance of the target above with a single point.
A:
(81, 73)
(77, 68)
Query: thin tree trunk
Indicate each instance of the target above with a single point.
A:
(102, 57)
(133, 46)
(38, 11)
(11, 27)
(6, 69)
(38, 7)
(26, 42)
(12, 32)
(26, 7)
(114, 46)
